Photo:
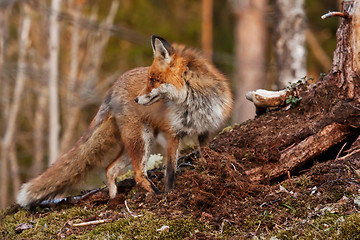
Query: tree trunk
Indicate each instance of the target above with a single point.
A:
(14, 171)
(322, 126)
(39, 130)
(4, 104)
(346, 61)
(7, 145)
(72, 111)
(90, 76)
(206, 27)
(250, 53)
(54, 124)
(40, 64)
(290, 49)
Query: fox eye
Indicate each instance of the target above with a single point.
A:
(152, 81)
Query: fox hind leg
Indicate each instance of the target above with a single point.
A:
(118, 167)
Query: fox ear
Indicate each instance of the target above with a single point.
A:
(162, 48)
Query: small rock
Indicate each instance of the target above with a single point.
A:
(357, 200)
(343, 200)
(23, 226)
(282, 189)
(314, 190)
(164, 228)
(206, 216)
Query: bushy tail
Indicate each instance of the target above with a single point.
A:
(67, 171)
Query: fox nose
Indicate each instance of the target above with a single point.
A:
(136, 100)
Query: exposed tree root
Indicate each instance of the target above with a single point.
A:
(301, 153)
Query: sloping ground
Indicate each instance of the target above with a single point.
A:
(212, 200)
(260, 141)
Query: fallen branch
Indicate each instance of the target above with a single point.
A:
(301, 153)
(95, 222)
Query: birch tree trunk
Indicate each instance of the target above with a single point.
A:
(4, 83)
(290, 39)
(7, 145)
(14, 171)
(40, 64)
(39, 122)
(90, 75)
(72, 112)
(4, 105)
(71, 120)
(250, 53)
(54, 125)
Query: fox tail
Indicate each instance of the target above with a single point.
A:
(72, 167)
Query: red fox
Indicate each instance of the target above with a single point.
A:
(180, 94)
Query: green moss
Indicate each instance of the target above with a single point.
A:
(249, 157)
(327, 226)
(299, 206)
(303, 182)
(350, 227)
(226, 129)
(145, 227)
(48, 225)
(286, 234)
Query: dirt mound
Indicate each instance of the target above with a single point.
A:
(211, 190)
(215, 189)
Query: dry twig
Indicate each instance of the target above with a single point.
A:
(130, 212)
(335, 14)
(95, 222)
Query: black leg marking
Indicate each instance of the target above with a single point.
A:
(155, 190)
(203, 138)
(170, 178)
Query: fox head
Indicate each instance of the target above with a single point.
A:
(164, 80)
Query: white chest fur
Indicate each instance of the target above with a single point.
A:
(199, 113)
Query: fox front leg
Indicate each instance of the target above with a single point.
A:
(137, 145)
(203, 139)
(171, 162)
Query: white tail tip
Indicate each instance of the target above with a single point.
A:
(23, 196)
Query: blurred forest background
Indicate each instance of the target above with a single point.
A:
(58, 59)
